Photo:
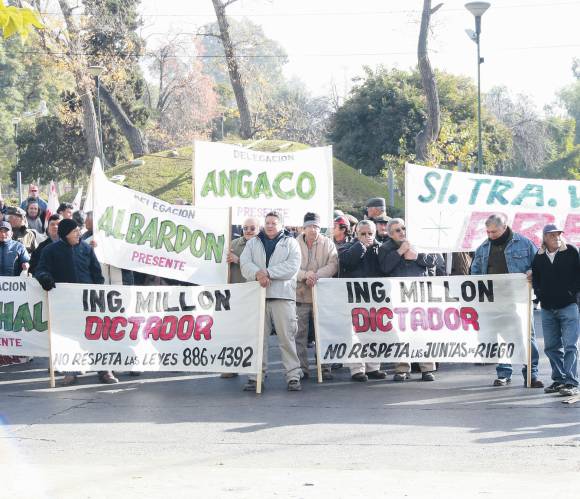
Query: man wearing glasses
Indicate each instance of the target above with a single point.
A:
(273, 259)
(398, 258)
(34, 195)
(360, 259)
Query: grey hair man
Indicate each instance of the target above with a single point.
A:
(507, 252)
(273, 259)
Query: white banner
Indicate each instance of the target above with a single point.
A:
(446, 319)
(161, 328)
(136, 231)
(255, 182)
(446, 211)
(23, 317)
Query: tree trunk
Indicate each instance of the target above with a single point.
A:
(233, 69)
(432, 126)
(136, 140)
(83, 83)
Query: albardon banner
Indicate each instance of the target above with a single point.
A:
(139, 232)
(256, 182)
(446, 210)
(161, 328)
(445, 319)
(23, 317)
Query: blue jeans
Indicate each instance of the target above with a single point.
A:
(505, 370)
(561, 333)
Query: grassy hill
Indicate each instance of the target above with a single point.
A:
(168, 176)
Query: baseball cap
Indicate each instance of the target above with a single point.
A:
(5, 225)
(551, 228)
(342, 221)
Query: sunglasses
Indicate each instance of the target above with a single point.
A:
(400, 229)
(248, 227)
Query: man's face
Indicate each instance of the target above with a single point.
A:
(33, 193)
(32, 210)
(311, 232)
(53, 229)
(74, 237)
(5, 235)
(272, 226)
(16, 221)
(374, 211)
(398, 233)
(364, 231)
(553, 240)
(251, 228)
(495, 231)
(382, 228)
(89, 222)
(338, 232)
(66, 213)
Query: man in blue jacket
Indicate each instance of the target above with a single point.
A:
(13, 255)
(71, 260)
(507, 252)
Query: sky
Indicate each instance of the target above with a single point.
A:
(528, 45)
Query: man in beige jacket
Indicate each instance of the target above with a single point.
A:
(319, 259)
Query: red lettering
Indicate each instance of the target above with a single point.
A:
(357, 315)
(572, 229)
(93, 327)
(530, 225)
(475, 232)
(203, 326)
(469, 317)
(168, 328)
(185, 327)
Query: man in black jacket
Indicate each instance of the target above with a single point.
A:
(52, 232)
(556, 282)
(70, 260)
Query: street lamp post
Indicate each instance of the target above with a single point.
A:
(96, 72)
(478, 9)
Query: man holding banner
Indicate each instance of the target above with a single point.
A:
(13, 255)
(273, 259)
(507, 252)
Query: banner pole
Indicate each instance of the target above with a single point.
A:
(229, 241)
(51, 381)
(530, 319)
(260, 356)
(316, 335)
(193, 175)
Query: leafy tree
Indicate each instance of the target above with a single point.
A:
(15, 20)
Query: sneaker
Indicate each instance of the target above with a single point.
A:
(108, 379)
(427, 376)
(569, 390)
(554, 387)
(69, 380)
(536, 383)
(377, 374)
(228, 375)
(401, 376)
(250, 386)
(294, 385)
(362, 377)
(327, 376)
(502, 382)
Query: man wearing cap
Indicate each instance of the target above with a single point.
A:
(13, 255)
(375, 207)
(556, 282)
(273, 259)
(381, 222)
(319, 260)
(507, 252)
(341, 232)
(70, 260)
(34, 194)
(20, 231)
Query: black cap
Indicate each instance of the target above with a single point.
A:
(311, 219)
(377, 203)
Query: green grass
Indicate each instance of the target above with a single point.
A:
(169, 178)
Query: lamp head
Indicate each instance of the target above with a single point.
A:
(477, 8)
(95, 70)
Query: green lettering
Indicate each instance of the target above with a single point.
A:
(7, 315)
(430, 187)
(136, 223)
(278, 188)
(476, 187)
(106, 221)
(23, 319)
(497, 190)
(150, 234)
(530, 191)
(167, 230)
(227, 182)
(299, 185)
(574, 198)
(214, 250)
(244, 186)
(182, 238)
(262, 186)
(209, 185)
(39, 324)
(197, 239)
(117, 234)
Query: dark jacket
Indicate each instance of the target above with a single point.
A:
(35, 257)
(66, 263)
(394, 265)
(357, 261)
(12, 255)
(556, 284)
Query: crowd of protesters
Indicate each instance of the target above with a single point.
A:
(289, 263)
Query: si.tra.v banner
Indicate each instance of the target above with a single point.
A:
(447, 319)
(162, 328)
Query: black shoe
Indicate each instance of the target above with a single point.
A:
(362, 377)
(250, 386)
(536, 383)
(502, 382)
(401, 376)
(327, 376)
(427, 376)
(554, 387)
(377, 375)
(294, 385)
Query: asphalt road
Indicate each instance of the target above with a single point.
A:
(174, 435)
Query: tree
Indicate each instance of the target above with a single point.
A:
(233, 67)
(430, 131)
(15, 20)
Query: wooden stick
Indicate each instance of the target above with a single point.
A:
(530, 319)
(260, 356)
(228, 244)
(316, 335)
(193, 175)
(51, 381)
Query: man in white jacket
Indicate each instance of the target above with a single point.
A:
(273, 259)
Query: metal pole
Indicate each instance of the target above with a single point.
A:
(98, 84)
(479, 145)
